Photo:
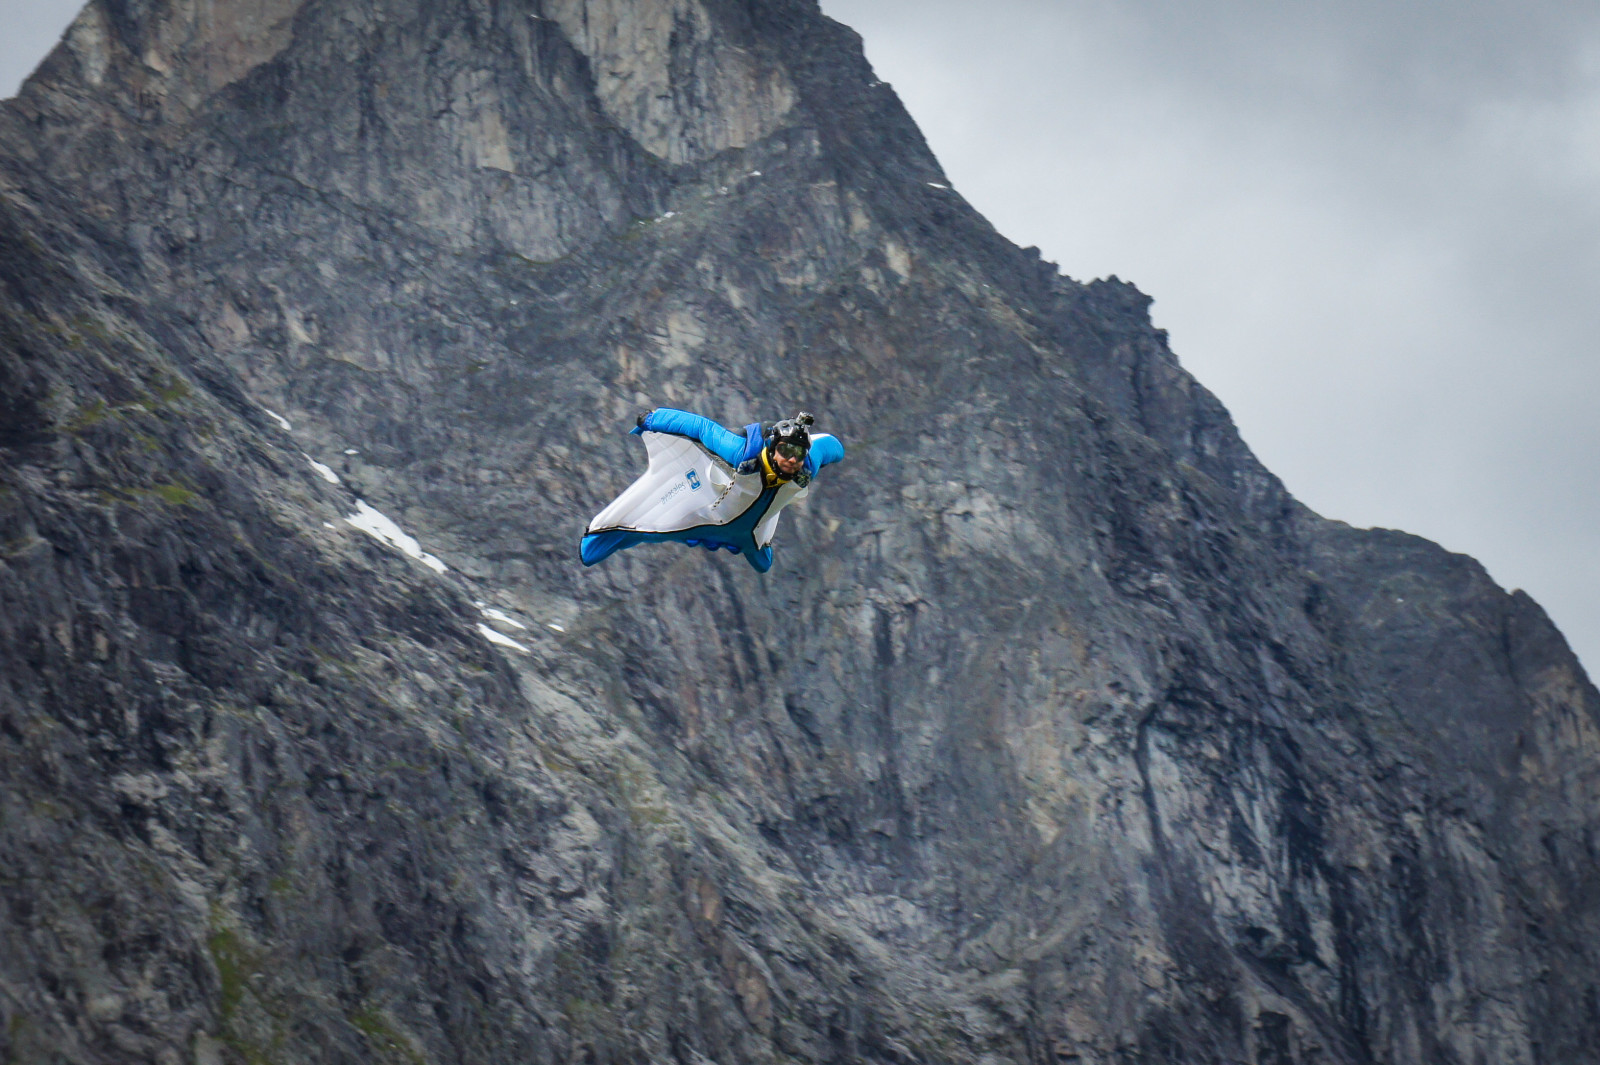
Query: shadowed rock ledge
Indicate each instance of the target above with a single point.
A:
(1059, 733)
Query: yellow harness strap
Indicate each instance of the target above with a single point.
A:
(770, 477)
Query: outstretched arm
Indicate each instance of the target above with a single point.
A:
(825, 448)
(729, 447)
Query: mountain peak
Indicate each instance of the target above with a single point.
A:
(1057, 731)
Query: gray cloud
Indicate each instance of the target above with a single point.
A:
(1373, 230)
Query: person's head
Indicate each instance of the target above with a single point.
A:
(787, 459)
(788, 442)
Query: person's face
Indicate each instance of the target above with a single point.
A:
(785, 464)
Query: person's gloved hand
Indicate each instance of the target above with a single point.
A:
(639, 421)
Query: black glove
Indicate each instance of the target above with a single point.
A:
(639, 421)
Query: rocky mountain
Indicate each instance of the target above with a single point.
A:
(1060, 732)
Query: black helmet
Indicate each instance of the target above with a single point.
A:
(790, 438)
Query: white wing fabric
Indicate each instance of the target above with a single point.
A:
(685, 486)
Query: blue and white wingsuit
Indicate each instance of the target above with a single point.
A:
(693, 492)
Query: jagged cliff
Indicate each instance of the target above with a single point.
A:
(1059, 732)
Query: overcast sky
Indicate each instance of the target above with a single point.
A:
(1371, 226)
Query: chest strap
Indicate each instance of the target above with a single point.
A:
(770, 477)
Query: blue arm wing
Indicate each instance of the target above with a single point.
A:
(825, 449)
(729, 447)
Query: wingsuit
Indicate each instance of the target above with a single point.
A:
(708, 486)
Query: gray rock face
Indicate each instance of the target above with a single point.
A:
(1059, 733)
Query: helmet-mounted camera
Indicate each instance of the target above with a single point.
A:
(790, 438)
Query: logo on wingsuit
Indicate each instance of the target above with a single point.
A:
(694, 480)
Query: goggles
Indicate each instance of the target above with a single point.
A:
(788, 449)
